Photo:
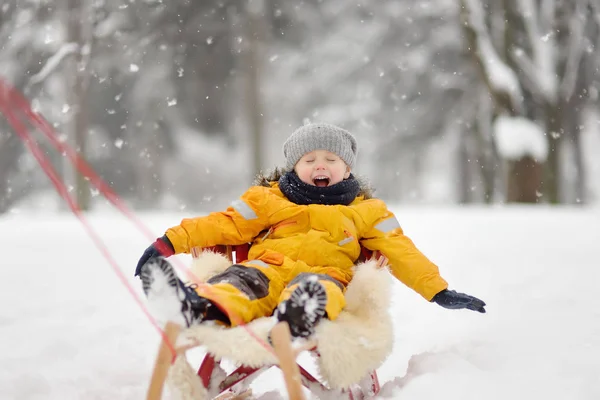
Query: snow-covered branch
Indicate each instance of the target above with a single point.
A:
(500, 77)
(575, 49)
(547, 15)
(54, 61)
(529, 72)
(111, 24)
(518, 137)
(543, 46)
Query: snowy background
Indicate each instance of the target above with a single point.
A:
(178, 104)
(70, 330)
(464, 110)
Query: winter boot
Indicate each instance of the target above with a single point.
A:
(171, 300)
(304, 308)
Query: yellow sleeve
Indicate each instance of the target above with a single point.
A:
(407, 263)
(243, 220)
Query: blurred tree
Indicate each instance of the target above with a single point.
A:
(531, 54)
(393, 72)
(30, 34)
(183, 93)
(79, 22)
(255, 38)
(162, 68)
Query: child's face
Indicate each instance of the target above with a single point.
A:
(321, 168)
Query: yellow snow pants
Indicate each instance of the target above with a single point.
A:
(254, 288)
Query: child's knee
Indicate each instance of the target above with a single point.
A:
(253, 282)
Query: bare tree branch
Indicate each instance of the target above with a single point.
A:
(54, 62)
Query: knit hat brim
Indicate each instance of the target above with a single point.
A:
(320, 136)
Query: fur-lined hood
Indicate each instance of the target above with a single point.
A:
(265, 179)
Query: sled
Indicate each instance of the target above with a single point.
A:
(347, 351)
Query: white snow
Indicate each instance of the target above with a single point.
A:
(70, 330)
(517, 137)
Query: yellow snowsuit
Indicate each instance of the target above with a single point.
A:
(289, 240)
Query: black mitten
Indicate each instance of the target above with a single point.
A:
(161, 247)
(454, 300)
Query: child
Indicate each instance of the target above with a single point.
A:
(306, 226)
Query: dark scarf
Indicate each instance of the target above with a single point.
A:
(302, 193)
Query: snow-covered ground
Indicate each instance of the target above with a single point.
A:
(70, 330)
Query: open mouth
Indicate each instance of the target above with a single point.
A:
(321, 181)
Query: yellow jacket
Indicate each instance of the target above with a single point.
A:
(327, 238)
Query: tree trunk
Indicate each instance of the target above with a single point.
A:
(487, 154)
(9, 158)
(573, 189)
(524, 181)
(253, 68)
(146, 145)
(581, 173)
(552, 170)
(77, 99)
(464, 167)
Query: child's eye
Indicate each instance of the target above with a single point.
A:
(309, 161)
(331, 159)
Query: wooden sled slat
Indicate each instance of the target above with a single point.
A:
(163, 362)
(282, 343)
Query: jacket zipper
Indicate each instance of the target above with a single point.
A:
(277, 226)
(348, 239)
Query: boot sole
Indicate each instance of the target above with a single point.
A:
(166, 298)
(311, 298)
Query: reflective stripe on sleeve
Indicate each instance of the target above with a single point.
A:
(388, 225)
(344, 241)
(244, 209)
(259, 263)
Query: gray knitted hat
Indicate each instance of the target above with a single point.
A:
(320, 136)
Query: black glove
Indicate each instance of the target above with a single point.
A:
(454, 300)
(161, 247)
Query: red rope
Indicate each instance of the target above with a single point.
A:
(41, 158)
(10, 96)
(84, 168)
